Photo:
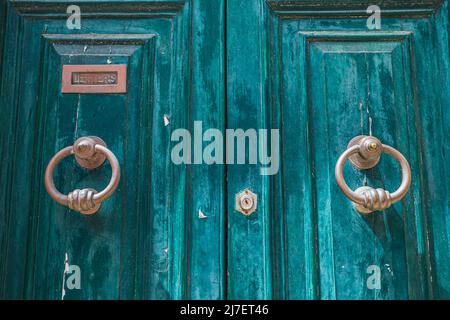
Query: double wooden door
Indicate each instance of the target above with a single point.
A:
(313, 70)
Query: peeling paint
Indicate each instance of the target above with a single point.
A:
(369, 93)
(162, 265)
(369, 117)
(361, 124)
(109, 60)
(201, 215)
(66, 270)
(389, 269)
(77, 116)
(166, 120)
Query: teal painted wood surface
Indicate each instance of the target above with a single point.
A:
(249, 263)
(309, 68)
(206, 261)
(315, 71)
(2, 29)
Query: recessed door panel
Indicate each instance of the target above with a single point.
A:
(358, 87)
(336, 84)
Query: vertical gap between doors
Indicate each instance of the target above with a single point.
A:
(225, 212)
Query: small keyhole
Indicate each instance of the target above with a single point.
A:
(246, 202)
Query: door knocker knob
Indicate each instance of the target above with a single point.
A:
(90, 152)
(364, 152)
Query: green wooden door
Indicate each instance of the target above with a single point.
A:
(311, 69)
(316, 72)
(140, 244)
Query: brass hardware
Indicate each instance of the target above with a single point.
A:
(97, 78)
(364, 153)
(370, 149)
(90, 152)
(84, 151)
(246, 202)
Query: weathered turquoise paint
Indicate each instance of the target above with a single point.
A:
(249, 259)
(314, 70)
(309, 68)
(206, 261)
(140, 244)
(2, 28)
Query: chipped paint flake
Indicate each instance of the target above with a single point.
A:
(166, 120)
(66, 270)
(201, 215)
(361, 113)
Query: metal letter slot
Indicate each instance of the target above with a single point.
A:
(99, 78)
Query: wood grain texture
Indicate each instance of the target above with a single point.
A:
(3, 6)
(352, 8)
(249, 260)
(206, 237)
(56, 9)
(348, 5)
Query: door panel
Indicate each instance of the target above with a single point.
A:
(114, 237)
(321, 77)
(138, 245)
(356, 87)
(350, 82)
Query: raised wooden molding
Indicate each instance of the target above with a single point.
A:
(96, 8)
(352, 8)
(352, 4)
(100, 38)
(356, 35)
